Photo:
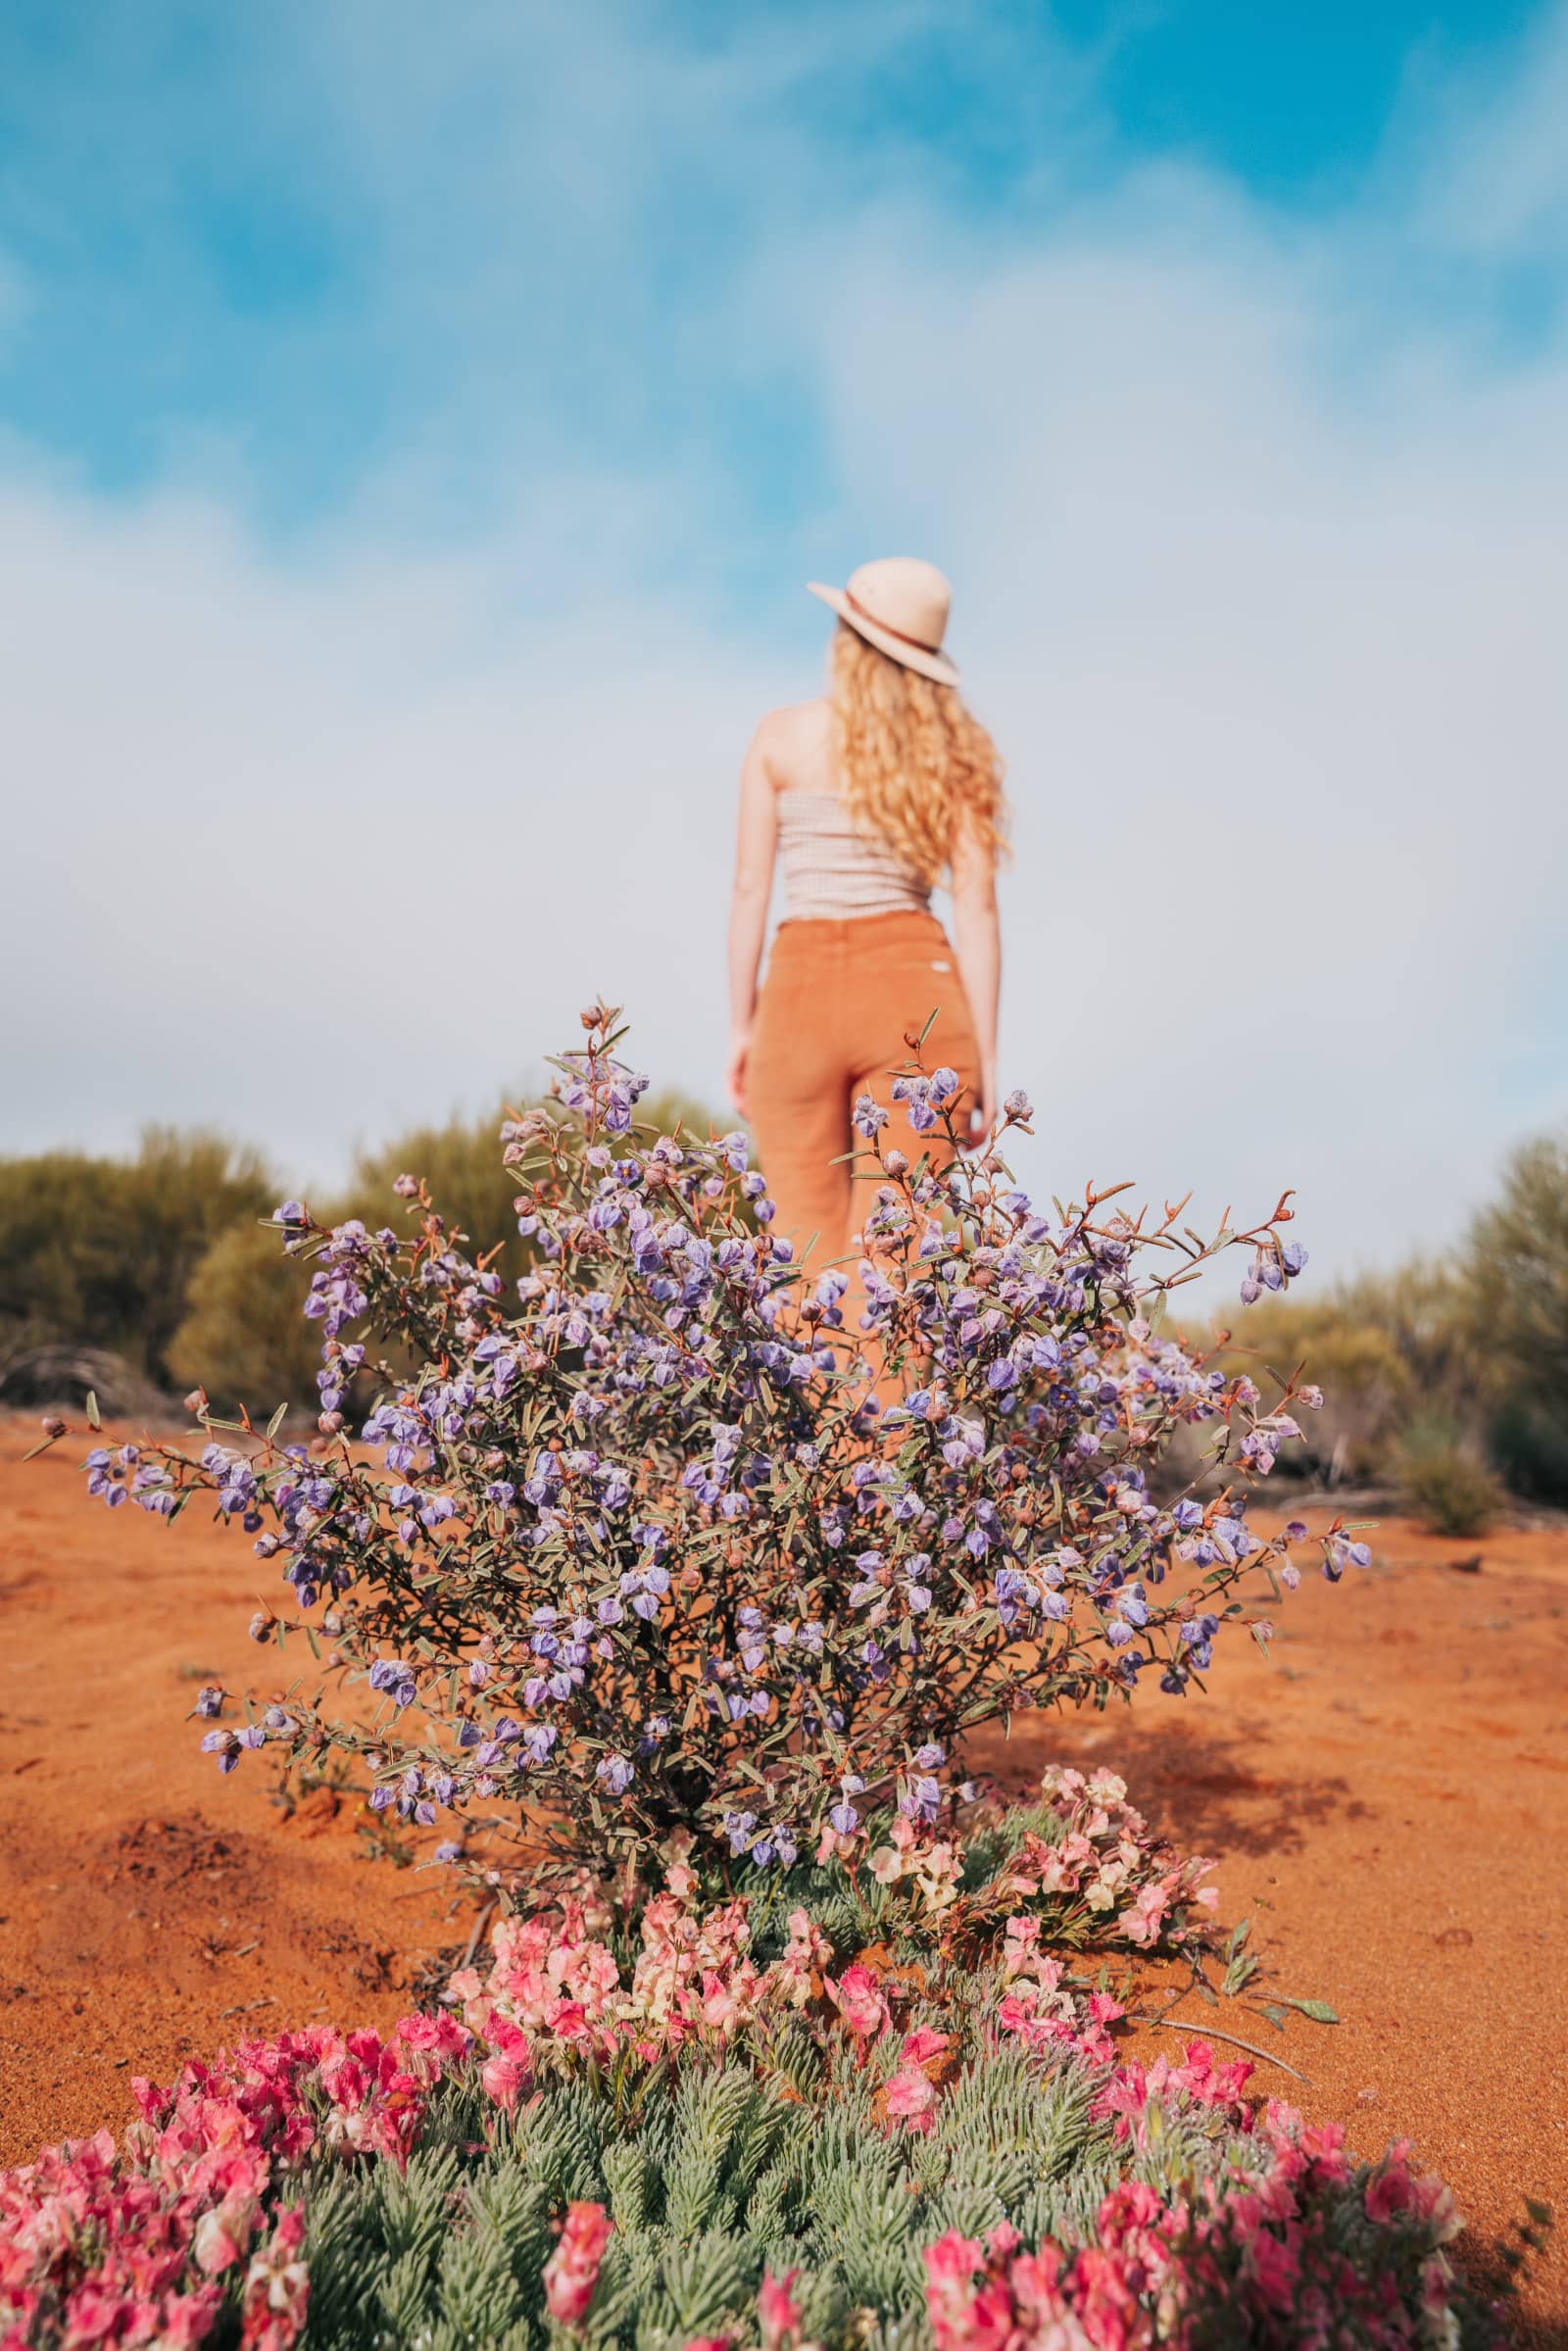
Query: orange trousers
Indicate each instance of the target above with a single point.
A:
(838, 1002)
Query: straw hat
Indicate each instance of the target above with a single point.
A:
(899, 605)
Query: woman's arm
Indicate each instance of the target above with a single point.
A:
(977, 944)
(756, 838)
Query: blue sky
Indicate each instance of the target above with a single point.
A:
(274, 232)
(418, 419)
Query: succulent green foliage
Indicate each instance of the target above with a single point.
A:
(707, 2186)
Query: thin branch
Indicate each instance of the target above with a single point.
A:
(1212, 2033)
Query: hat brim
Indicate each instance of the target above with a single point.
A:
(934, 666)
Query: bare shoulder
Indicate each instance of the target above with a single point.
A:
(792, 740)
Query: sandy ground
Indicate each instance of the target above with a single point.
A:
(1388, 1799)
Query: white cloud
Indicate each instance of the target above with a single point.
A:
(1494, 179)
(1260, 582)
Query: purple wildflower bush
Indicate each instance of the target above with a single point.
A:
(677, 1537)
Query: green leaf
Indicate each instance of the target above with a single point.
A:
(1275, 2015)
(91, 1404)
(1318, 2010)
(277, 1421)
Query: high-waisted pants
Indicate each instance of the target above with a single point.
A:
(839, 1000)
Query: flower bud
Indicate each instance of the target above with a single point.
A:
(52, 1425)
(263, 1625)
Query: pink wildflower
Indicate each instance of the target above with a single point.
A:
(1145, 1914)
(572, 2271)
(277, 2287)
(857, 1997)
(909, 2097)
(778, 2314)
(434, 2044)
(950, 2266)
(501, 2079)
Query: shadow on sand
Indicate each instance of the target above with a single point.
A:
(1200, 1783)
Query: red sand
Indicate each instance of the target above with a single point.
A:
(1388, 1799)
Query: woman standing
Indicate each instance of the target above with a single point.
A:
(866, 799)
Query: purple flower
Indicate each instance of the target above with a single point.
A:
(921, 1799)
(652, 1462)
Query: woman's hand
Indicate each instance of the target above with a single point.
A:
(983, 1112)
(735, 1072)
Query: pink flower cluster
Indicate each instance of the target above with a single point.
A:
(554, 1989)
(1109, 1877)
(1135, 2095)
(140, 2243)
(554, 1984)
(1259, 2244)
(1038, 2007)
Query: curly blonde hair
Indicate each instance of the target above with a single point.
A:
(912, 759)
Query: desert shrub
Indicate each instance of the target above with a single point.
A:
(1529, 1442)
(1515, 1268)
(1444, 1482)
(100, 1252)
(1421, 1310)
(655, 1547)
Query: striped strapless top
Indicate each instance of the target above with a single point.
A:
(831, 872)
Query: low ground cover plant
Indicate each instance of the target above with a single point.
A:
(665, 2122)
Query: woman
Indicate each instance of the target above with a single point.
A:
(866, 799)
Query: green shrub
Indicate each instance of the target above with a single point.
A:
(1444, 1482)
(100, 1252)
(1529, 1442)
(1515, 1268)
